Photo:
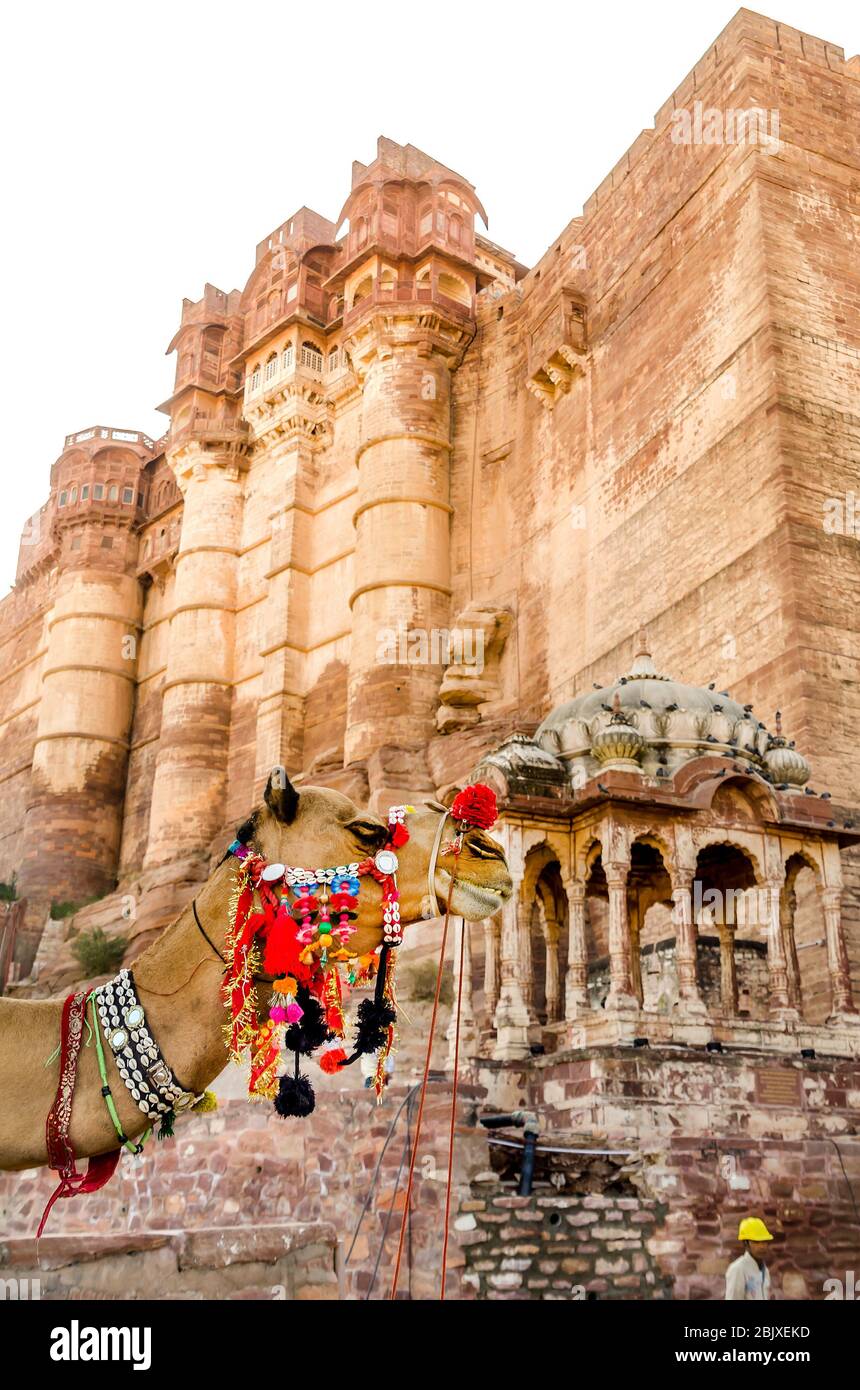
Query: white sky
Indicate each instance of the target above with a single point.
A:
(150, 147)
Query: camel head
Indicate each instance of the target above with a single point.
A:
(316, 827)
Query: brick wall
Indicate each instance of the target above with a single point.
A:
(550, 1247)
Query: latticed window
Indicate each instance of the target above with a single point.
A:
(271, 366)
(128, 496)
(311, 357)
(113, 493)
(256, 378)
(287, 357)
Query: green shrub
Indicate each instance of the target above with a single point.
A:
(420, 983)
(9, 891)
(66, 908)
(97, 953)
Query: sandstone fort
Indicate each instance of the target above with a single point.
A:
(585, 529)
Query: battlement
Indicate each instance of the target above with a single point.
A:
(745, 66)
(304, 229)
(103, 432)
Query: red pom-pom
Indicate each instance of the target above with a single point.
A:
(476, 805)
(330, 1061)
(399, 836)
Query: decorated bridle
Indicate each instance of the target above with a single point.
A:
(295, 925)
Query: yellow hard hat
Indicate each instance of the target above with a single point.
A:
(751, 1228)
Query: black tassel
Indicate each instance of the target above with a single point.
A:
(375, 1017)
(165, 1130)
(295, 1096)
(311, 1030)
(374, 1020)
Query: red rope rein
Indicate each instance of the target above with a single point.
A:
(453, 1109)
(413, 1156)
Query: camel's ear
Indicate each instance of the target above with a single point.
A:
(281, 796)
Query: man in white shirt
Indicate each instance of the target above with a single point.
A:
(748, 1277)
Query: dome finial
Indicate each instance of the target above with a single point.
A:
(779, 722)
(642, 662)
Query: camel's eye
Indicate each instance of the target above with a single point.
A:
(369, 833)
(482, 847)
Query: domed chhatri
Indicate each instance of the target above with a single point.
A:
(649, 723)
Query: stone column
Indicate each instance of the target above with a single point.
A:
(189, 788)
(513, 1016)
(492, 930)
(553, 980)
(788, 907)
(70, 840)
(728, 969)
(401, 603)
(286, 614)
(635, 925)
(621, 994)
(462, 1004)
(576, 981)
(777, 964)
(689, 996)
(841, 997)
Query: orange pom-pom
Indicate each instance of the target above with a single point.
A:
(330, 1061)
(286, 985)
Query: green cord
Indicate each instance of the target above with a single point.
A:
(58, 1049)
(129, 1144)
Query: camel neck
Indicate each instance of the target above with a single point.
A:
(178, 980)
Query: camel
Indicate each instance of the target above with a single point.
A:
(178, 977)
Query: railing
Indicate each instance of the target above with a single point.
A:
(407, 292)
(272, 372)
(212, 427)
(101, 432)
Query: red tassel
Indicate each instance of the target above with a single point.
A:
(282, 948)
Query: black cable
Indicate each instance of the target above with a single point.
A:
(367, 1199)
(390, 1212)
(845, 1176)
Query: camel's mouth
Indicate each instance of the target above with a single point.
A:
(472, 900)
